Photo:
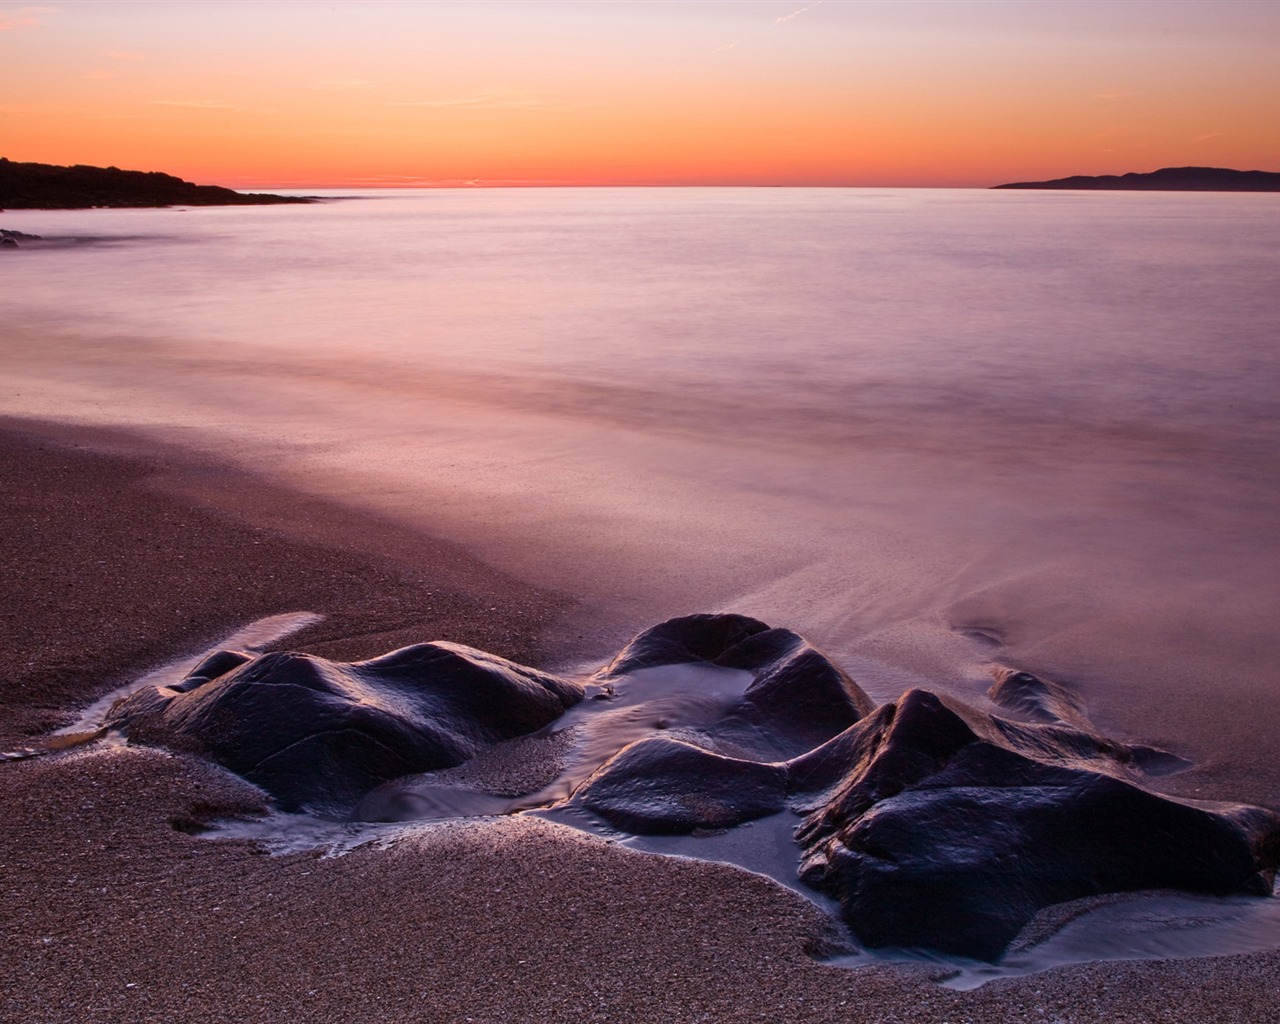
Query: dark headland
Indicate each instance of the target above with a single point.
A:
(1167, 179)
(32, 186)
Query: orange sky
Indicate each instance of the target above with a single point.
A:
(792, 92)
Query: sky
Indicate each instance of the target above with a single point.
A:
(793, 92)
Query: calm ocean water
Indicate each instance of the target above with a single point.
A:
(928, 429)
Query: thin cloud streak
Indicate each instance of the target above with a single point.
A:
(776, 21)
(796, 14)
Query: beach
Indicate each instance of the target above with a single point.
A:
(123, 554)
(941, 434)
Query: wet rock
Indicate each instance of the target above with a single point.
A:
(1045, 701)
(689, 638)
(1042, 700)
(798, 698)
(317, 734)
(944, 837)
(666, 787)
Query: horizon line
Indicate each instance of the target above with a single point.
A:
(496, 184)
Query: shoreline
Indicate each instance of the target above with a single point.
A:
(146, 553)
(136, 554)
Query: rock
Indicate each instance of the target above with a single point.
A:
(1048, 702)
(666, 787)
(943, 837)
(797, 699)
(1041, 700)
(317, 734)
(798, 696)
(683, 640)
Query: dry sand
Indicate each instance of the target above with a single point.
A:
(119, 556)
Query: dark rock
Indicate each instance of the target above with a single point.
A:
(1051, 703)
(942, 837)
(1040, 699)
(665, 787)
(798, 696)
(317, 735)
(797, 699)
(688, 639)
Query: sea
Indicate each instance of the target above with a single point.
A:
(935, 431)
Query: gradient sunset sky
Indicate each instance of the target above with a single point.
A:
(791, 92)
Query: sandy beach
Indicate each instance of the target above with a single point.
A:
(121, 555)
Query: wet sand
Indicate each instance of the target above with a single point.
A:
(121, 555)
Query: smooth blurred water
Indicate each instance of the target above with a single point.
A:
(926, 428)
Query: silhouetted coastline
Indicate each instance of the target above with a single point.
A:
(34, 186)
(1167, 179)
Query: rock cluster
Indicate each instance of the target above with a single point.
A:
(934, 825)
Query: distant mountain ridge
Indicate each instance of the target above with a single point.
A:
(32, 186)
(1167, 179)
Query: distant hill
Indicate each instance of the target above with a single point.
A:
(27, 186)
(1168, 179)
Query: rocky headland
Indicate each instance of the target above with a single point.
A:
(36, 186)
(1167, 179)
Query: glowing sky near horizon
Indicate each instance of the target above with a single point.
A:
(788, 92)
